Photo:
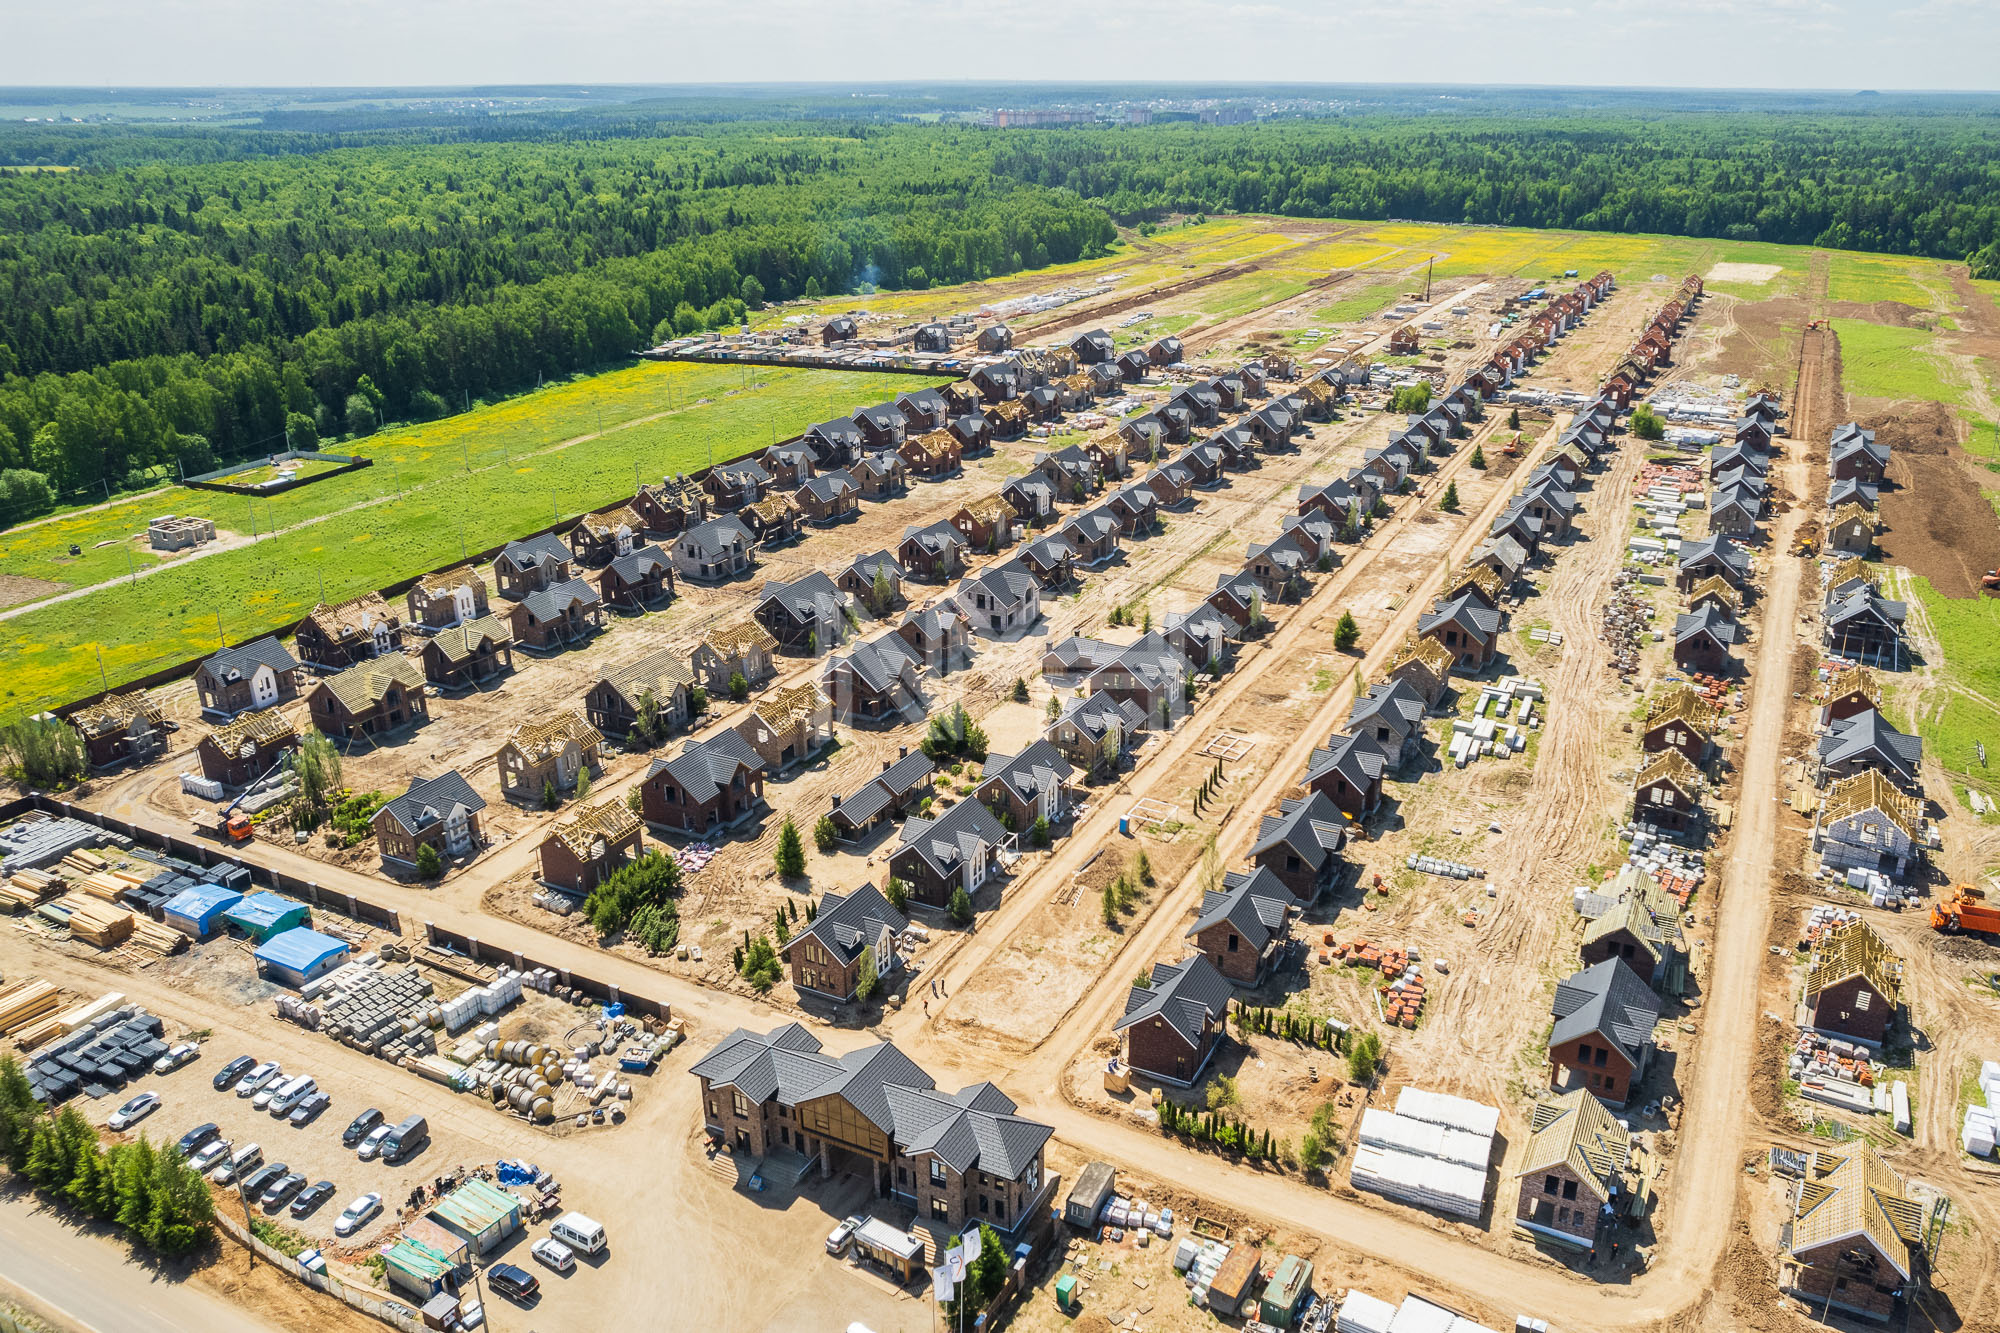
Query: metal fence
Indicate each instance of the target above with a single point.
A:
(368, 1302)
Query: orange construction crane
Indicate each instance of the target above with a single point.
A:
(1966, 909)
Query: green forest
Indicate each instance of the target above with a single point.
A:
(183, 296)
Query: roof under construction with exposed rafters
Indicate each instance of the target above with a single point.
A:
(608, 820)
(1854, 950)
(258, 729)
(545, 736)
(1670, 766)
(1684, 704)
(744, 636)
(1869, 790)
(792, 705)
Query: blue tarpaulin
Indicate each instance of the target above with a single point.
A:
(299, 955)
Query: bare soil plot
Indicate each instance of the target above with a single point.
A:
(1757, 273)
(1935, 519)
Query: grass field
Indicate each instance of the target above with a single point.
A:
(50, 655)
(1855, 277)
(1884, 361)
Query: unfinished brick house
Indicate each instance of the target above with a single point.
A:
(373, 699)
(339, 636)
(440, 812)
(258, 674)
(584, 848)
(1702, 640)
(469, 653)
(1857, 1237)
(555, 748)
(775, 520)
(731, 486)
(1425, 666)
(742, 649)
(825, 956)
(1172, 1027)
(987, 525)
(1603, 1034)
(121, 727)
(599, 539)
(1576, 1164)
(1667, 793)
(1852, 983)
(1640, 925)
(1852, 690)
(807, 615)
(450, 598)
(1348, 770)
(932, 456)
(953, 1159)
(675, 505)
(662, 679)
(639, 580)
(711, 786)
(1468, 629)
(1864, 822)
(557, 617)
(789, 726)
(1680, 720)
(829, 498)
(246, 748)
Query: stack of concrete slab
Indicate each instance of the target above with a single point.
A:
(30, 844)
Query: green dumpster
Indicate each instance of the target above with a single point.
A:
(1066, 1293)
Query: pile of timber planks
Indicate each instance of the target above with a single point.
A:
(25, 1003)
(156, 938)
(96, 922)
(21, 891)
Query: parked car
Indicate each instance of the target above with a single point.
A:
(281, 1189)
(176, 1057)
(515, 1283)
(553, 1254)
(838, 1241)
(239, 1162)
(199, 1137)
(226, 1076)
(357, 1214)
(311, 1197)
(286, 1095)
(306, 1111)
(132, 1112)
(206, 1158)
(371, 1147)
(261, 1179)
(357, 1128)
(257, 1079)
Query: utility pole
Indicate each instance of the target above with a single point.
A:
(251, 506)
(102, 678)
(221, 640)
(554, 510)
(130, 572)
(1427, 278)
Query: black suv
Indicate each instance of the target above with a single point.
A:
(311, 1197)
(254, 1184)
(226, 1076)
(358, 1128)
(516, 1283)
(198, 1138)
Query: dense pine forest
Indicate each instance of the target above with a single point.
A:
(176, 295)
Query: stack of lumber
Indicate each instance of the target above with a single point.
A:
(103, 884)
(85, 862)
(22, 890)
(156, 938)
(25, 1003)
(97, 923)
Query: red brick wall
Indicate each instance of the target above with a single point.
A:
(1840, 1008)
(1243, 963)
(1560, 1200)
(1155, 1048)
(1613, 1078)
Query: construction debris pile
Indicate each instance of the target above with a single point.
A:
(1401, 994)
(1679, 870)
(1489, 732)
(694, 857)
(1626, 618)
(1844, 1074)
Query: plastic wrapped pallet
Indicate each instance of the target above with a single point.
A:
(1361, 1313)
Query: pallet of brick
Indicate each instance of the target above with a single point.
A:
(25, 1003)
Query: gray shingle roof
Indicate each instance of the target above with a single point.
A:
(534, 552)
(634, 566)
(242, 661)
(553, 603)
(704, 768)
(1865, 601)
(1009, 582)
(1356, 758)
(431, 800)
(1709, 621)
(1186, 995)
(1254, 915)
(713, 539)
(812, 599)
(953, 838)
(1466, 611)
(1611, 1001)
(1095, 716)
(1030, 773)
(1869, 734)
(1312, 827)
(830, 486)
(1394, 704)
(848, 923)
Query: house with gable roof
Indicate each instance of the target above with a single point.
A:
(879, 682)
(825, 954)
(452, 597)
(440, 812)
(887, 796)
(1866, 625)
(1240, 927)
(1853, 982)
(1640, 924)
(117, 727)
(255, 675)
(1096, 733)
(1172, 1026)
(1856, 1238)
(663, 677)
(1425, 666)
(743, 648)
(1574, 1173)
(1603, 1034)
(807, 614)
(555, 748)
(958, 849)
(711, 786)
(1702, 639)
(1391, 716)
(789, 726)
(1468, 629)
(1869, 740)
(1032, 784)
(1301, 843)
(597, 539)
(1667, 793)
(246, 747)
(639, 580)
(1000, 601)
(469, 653)
(532, 564)
(715, 551)
(556, 617)
(1680, 720)
(1864, 822)
(1348, 769)
(338, 636)
(589, 844)
(1853, 455)
(956, 1159)
(374, 698)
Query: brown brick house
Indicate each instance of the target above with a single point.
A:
(449, 598)
(1348, 770)
(958, 849)
(1033, 784)
(1715, 591)
(1857, 1237)
(670, 508)
(1680, 720)
(807, 614)
(587, 846)
(1702, 640)
(557, 617)
(372, 699)
(468, 653)
(119, 727)
(874, 581)
(532, 564)
(353, 631)
(710, 786)
(789, 726)
(939, 633)
(825, 956)
(440, 812)
(1603, 1034)
(743, 648)
(1467, 627)
(829, 498)
(638, 580)
(1852, 982)
(955, 1159)
(1641, 927)
(1667, 793)
(1575, 1164)
(1172, 1025)
(612, 703)
(935, 552)
(931, 456)
(1425, 666)
(1852, 691)
(259, 674)
(987, 525)
(1241, 926)
(246, 748)
(598, 539)
(1301, 845)
(555, 748)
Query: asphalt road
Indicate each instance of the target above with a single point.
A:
(91, 1282)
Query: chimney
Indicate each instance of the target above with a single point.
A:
(836, 800)
(887, 764)
(902, 752)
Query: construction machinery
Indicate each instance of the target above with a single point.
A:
(1990, 580)
(237, 826)
(1966, 910)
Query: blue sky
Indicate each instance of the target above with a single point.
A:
(1884, 44)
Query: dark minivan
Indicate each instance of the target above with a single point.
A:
(405, 1139)
(358, 1128)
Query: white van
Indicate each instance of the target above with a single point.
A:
(291, 1094)
(579, 1233)
(241, 1162)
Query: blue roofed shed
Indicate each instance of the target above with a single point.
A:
(262, 915)
(299, 956)
(197, 912)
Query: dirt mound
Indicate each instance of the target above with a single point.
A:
(1967, 949)
(1936, 519)
(1765, 1093)
(1927, 428)
(1883, 312)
